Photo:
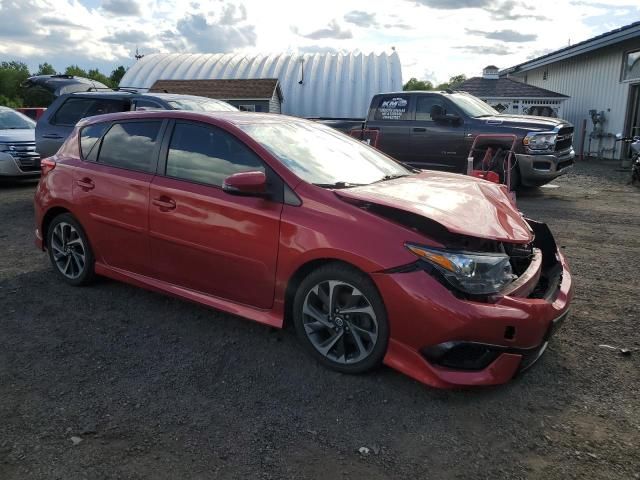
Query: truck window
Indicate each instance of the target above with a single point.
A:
(392, 107)
(425, 105)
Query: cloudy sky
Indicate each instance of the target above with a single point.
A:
(434, 38)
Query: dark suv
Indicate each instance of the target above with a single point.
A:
(58, 120)
(436, 130)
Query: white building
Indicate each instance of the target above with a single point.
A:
(313, 85)
(511, 96)
(600, 75)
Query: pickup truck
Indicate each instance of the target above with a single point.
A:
(435, 130)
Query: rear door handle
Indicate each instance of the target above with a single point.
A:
(86, 184)
(419, 129)
(54, 136)
(164, 203)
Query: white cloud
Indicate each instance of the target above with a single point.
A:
(438, 38)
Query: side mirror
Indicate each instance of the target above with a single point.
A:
(619, 136)
(249, 184)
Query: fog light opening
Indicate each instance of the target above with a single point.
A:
(510, 332)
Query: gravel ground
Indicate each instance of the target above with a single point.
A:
(112, 381)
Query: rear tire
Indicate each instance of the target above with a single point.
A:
(69, 250)
(340, 319)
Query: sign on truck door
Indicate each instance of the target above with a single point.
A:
(391, 114)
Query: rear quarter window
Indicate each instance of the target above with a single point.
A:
(392, 107)
(89, 137)
(131, 145)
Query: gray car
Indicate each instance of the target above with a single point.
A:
(18, 157)
(58, 120)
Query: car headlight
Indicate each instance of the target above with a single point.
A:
(540, 141)
(474, 273)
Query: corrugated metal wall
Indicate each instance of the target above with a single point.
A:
(335, 85)
(593, 81)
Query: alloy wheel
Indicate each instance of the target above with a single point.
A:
(68, 249)
(340, 322)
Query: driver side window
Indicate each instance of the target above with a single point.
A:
(426, 105)
(208, 155)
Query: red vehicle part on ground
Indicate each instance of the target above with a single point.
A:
(266, 243)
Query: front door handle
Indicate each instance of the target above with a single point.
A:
(419, 129)
(164, 203)
(53, 136)
(86, 184)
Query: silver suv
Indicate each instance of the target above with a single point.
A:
(18, 157)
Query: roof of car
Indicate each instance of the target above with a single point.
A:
(235, 118)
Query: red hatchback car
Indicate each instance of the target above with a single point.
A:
(270, 217)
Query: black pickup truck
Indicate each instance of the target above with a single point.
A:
(435, 130)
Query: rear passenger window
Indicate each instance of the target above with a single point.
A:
(394, 107)
(131, 145)
(207, 155)
(427, 104)
(75, 109)
(89, 137)
(71, 111)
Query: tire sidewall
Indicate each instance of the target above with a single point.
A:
(363, 283)
(88, 273)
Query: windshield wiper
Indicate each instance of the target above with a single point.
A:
(339, 185)
(392, 177)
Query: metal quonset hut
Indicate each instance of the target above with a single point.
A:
(329, 85)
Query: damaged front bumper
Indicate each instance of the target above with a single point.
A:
(452, 341)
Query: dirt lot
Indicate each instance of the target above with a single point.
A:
(159, 388)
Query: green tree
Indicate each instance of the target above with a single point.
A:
(454, 82)
(94, 74)
(415, 84)
(12, 74)
(117, 75)
(45, 69)
(10, 102)
(457, 80)
(75, 70)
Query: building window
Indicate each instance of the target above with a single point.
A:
(631, 66)
(247, 108)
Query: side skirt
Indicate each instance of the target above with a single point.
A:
(272, 317)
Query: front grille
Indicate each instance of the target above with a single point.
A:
(25, 154)
(564, 139)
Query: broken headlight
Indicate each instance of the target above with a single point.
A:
(473, 273)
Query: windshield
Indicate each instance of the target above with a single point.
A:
(322, 155)
(472, 106)
(12, 120)
(202, 105)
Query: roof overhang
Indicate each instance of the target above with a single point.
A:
(617, 36)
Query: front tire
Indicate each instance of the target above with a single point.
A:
(69, 250)
(340, 318)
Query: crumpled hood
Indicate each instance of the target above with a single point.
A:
(17, 135)
(462, 204)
